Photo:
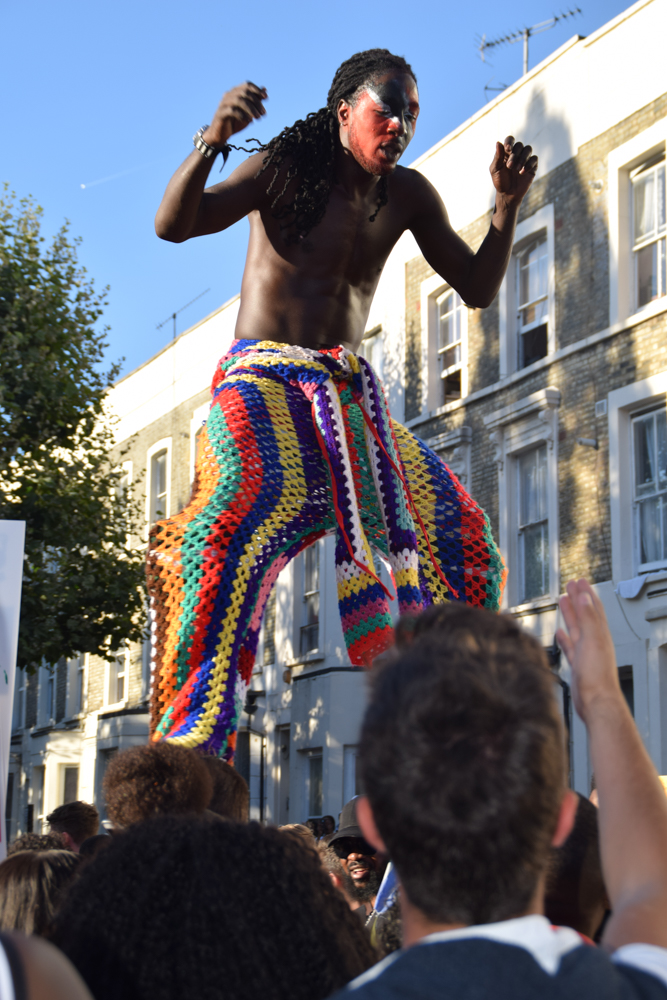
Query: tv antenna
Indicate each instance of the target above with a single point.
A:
(175, 314)
(523, 35)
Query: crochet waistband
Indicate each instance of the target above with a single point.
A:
(340, 362)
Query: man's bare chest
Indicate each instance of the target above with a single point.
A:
(345, 244)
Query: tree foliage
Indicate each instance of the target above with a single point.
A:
(83, 586)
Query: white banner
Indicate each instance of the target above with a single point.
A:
(12, 539)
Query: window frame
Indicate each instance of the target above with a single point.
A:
(64, 768)
(20, 689)
(515, 430)
(645, 567)
(165, 444)
(111, 674)
(621, 164)
(520, 525)
(433, 290)
(459, 311)
(541, 223)
(651, 165)
(304, 625)
(624, 404)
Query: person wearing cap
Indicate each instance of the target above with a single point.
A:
(363, 865)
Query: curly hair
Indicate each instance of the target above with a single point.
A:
(37, 842)
(32, 885)
(156, 780)
(180, 909)
(305, 151)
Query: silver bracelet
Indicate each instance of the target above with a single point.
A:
(207, 151)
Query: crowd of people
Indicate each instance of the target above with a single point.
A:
(466, 842)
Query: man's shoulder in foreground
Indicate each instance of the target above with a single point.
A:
(515, 959)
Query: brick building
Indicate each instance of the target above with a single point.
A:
(549, 405)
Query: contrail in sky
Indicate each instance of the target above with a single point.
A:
(123, 173)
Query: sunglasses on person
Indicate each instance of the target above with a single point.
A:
(353, 845)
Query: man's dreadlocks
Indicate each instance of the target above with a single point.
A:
(307, 148)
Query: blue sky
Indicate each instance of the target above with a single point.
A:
(90, 91)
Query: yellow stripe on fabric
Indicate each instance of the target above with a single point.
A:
(260, 362)
(289, 457)
(170, 568)
(425, 499)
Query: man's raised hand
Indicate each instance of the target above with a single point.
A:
(588, 646)
(513, 169)
(238, 108)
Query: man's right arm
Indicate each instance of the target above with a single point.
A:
(187, 209)
(633, 806)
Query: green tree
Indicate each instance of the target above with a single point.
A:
(83, 587)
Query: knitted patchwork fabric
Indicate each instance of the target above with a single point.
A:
(299, 443)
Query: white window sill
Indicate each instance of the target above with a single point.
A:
(547, 603)
(117, 706)
(647, 312)
(315, 656)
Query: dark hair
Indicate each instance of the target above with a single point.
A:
(305, 151)
(315, 827)
(575, 892)
(461, 756)
(231, 795)
(331, 823)
(156, 780)
(80, 819)
(181, 909)
(93, 845)
(32, 885)
(37, 842)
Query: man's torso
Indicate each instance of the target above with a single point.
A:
(317, 292)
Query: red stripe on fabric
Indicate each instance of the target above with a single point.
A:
(363, 651)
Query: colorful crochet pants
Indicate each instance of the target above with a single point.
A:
(299, 443)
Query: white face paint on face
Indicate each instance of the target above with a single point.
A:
(382, 122)
(385, 107)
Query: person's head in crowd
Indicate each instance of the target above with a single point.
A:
(461, 754)
(231, 795)
(302, 832)
(32, 886)
(575, 893)
(75, 822)
(37, 842)
(404, 631)
(93, 845)
(339, 877)
(177, 909)
(363, 864)
(160, 779)
(315, 827)
(328, 826)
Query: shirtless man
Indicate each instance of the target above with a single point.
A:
(327, 201)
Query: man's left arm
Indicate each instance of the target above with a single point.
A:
(477, 277)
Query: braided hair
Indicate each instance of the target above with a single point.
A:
(307, 148)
